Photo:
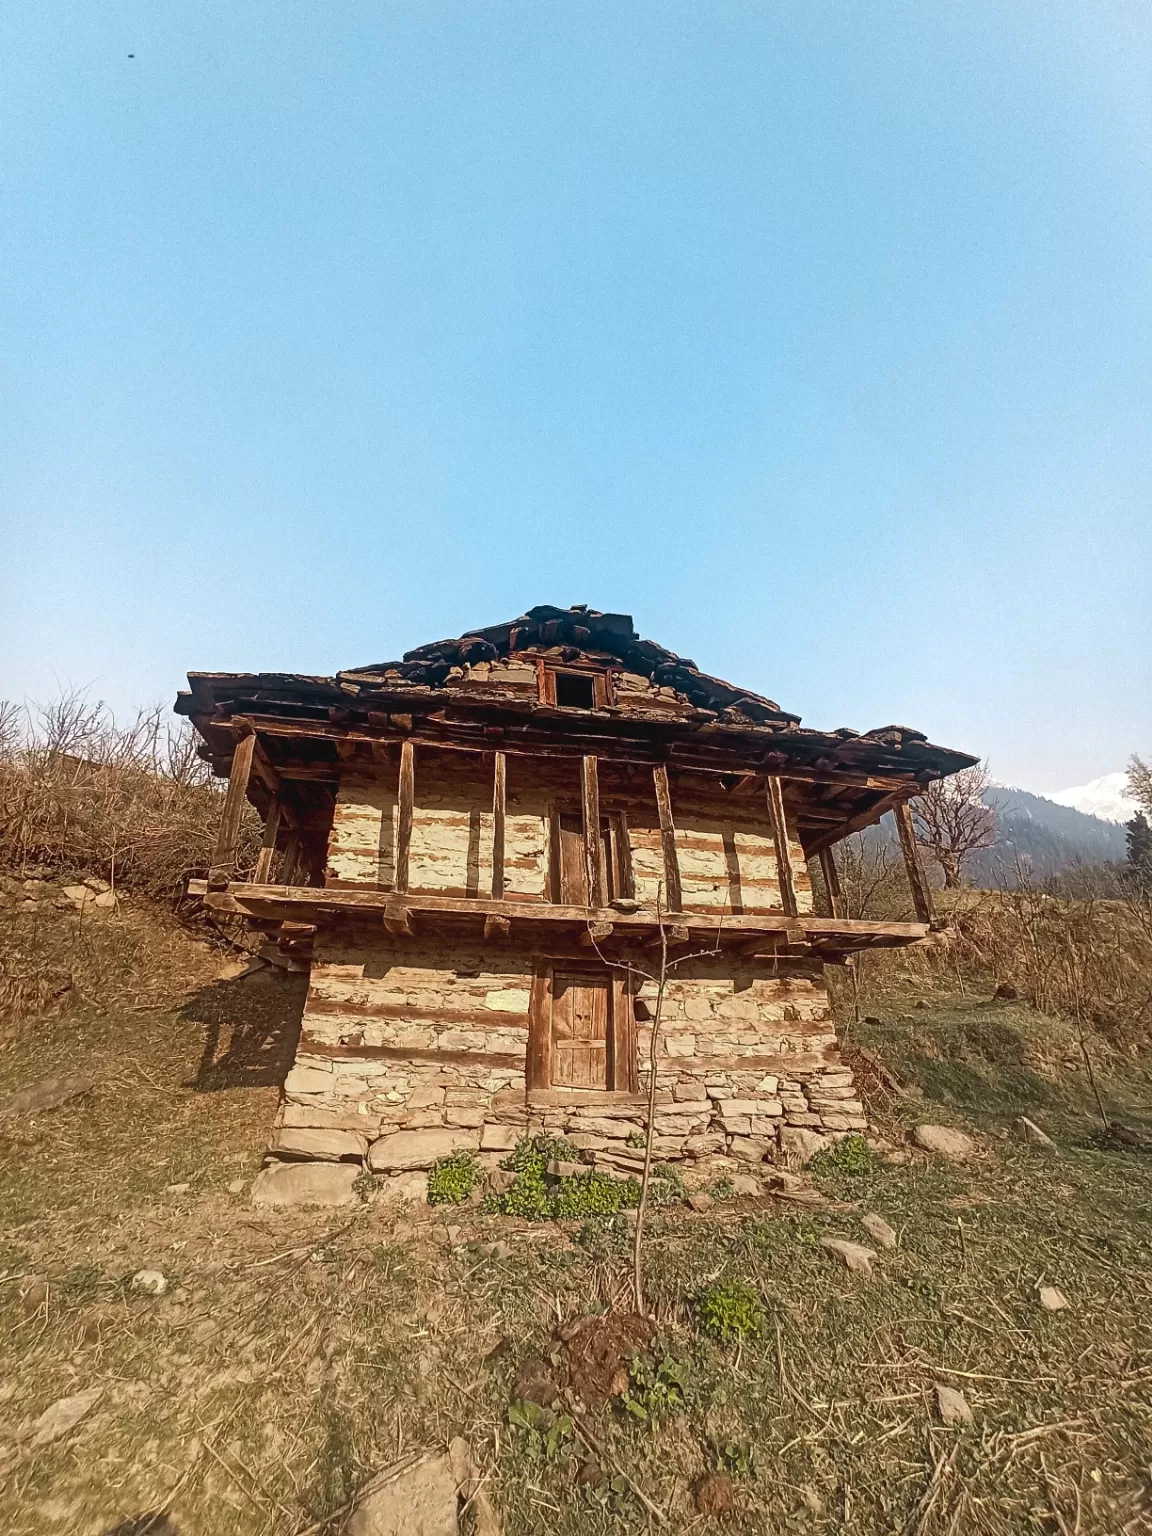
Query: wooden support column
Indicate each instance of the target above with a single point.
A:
(499, 794)
(832, 882)
(268, 846)
(673, 891)
(593, 847)
(404, 815)
(780, 838)
(224, 858)
(291, 860)
(921, 891)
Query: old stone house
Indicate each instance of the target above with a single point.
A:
(478, 851)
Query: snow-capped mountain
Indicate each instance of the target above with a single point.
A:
(1106, 797)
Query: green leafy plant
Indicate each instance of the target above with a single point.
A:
(537, 1195)
(548, 1435)
(851, 1157)
(735, 1458)
(656, 1388)
(453, 1179)
(729, 1310)
(636, 1139)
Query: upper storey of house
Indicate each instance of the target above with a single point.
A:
(564, 682)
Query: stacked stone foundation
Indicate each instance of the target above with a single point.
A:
(411, 1051)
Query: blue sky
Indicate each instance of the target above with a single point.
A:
(817, 336)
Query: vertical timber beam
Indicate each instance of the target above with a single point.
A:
(673, 890)
(404, 815)
(921, 891)
(780, 837)
(224, 857)
(499, 796)
(593, 846)
(832, 882)
(268, 846)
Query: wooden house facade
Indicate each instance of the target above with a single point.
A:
(478, 852)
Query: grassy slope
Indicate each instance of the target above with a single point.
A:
(296, 1351)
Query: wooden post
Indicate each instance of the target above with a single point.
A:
(921, 891)
(832, 882)
(268, 846)
(593, 847)
(290, 862)
(780, 838)
(499, 794)
(404, 815)
(224, 857)
(673, 891)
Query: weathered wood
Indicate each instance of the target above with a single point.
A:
(496, 927)
(593, 847)
(404, 815)
(499, 796)
(398, 920)
(832, 882)
(579, 1029)
(469, 1018)
(538, 1058)
(625, 1066)
(673, 934)
(263, 869)
(921, 891)
(779, 819)
(673, 890)
(865, 818)
(594, 934)
(228, 837)
(481, 1059)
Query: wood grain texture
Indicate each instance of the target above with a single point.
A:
(268, 844)
(406, 797)
(593, 844)
(832, 882)
(673, 891)
(785, 882)
(499, 796)
(227, 838)
(921, 891)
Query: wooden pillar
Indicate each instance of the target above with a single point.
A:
(404, 814)
(780, 838)
(593, 846)
(921, 891)
(673, 891)
(268, 846)
(499, 781)
(832, 882)
(224, 858)
(289, 864)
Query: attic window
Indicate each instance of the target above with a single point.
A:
(575, 690)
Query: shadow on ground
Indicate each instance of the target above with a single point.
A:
(251, 1028)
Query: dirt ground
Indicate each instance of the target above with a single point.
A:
(291, 1354)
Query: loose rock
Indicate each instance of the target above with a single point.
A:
(854, 1256)
(1053, 1300)
(418, 1500)
(150, 1281)
(879, 1230)
(945, 1142)
(1031, 1132)
(744, 1184)
(305, 1184)
(952, 1406)
(700, 1201)
(49, 1093)
(63, 1416)
(800, 1145)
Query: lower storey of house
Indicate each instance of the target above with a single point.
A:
(414, 1048)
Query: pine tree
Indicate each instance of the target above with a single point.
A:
(1139, 839)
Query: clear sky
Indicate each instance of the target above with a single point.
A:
(816, 336)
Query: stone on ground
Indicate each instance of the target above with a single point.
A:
(952, 1406)
(405, 1187)
(403, 1150)
(305, 1184)
(417, 1500)
(62, 1416)
(49, 1093)
(150, 1281)
(879, 1230)
(800, 1145)
(701, 1201)
(1053, 1300)
(944, 1141)
(469, 1486)
(854, 1256)
(327, 1146)
(1031, 1132)
(745, 1184)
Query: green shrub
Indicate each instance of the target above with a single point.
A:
(537, 1195)
(453, 1179)
(851, 1157)
(728, 1310)
(656, 1388)
(547, 1435)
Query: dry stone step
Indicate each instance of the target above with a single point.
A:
(305, 1184)
(418, 1149)
(327, 1146)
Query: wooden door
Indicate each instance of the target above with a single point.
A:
(571, 864)
(581, 1021)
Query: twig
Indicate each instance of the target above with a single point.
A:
(586, 1434)
(378, 1481)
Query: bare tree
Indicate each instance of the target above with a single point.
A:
(953, 820)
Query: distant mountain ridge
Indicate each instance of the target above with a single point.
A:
(1047, 836)
(1106, 797)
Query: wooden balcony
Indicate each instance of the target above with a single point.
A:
(541, 923)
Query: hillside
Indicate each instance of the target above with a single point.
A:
(289, 1354)
(1051, 838)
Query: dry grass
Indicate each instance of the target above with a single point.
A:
(80, 794)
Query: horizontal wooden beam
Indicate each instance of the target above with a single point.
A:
(866, 818)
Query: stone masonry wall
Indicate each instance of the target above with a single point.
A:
(411, 1049)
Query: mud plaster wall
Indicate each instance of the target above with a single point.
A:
(726, 851)
(744, 1049)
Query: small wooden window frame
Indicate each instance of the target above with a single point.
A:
(623, 875)
(546, 675)
(538, 1063)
